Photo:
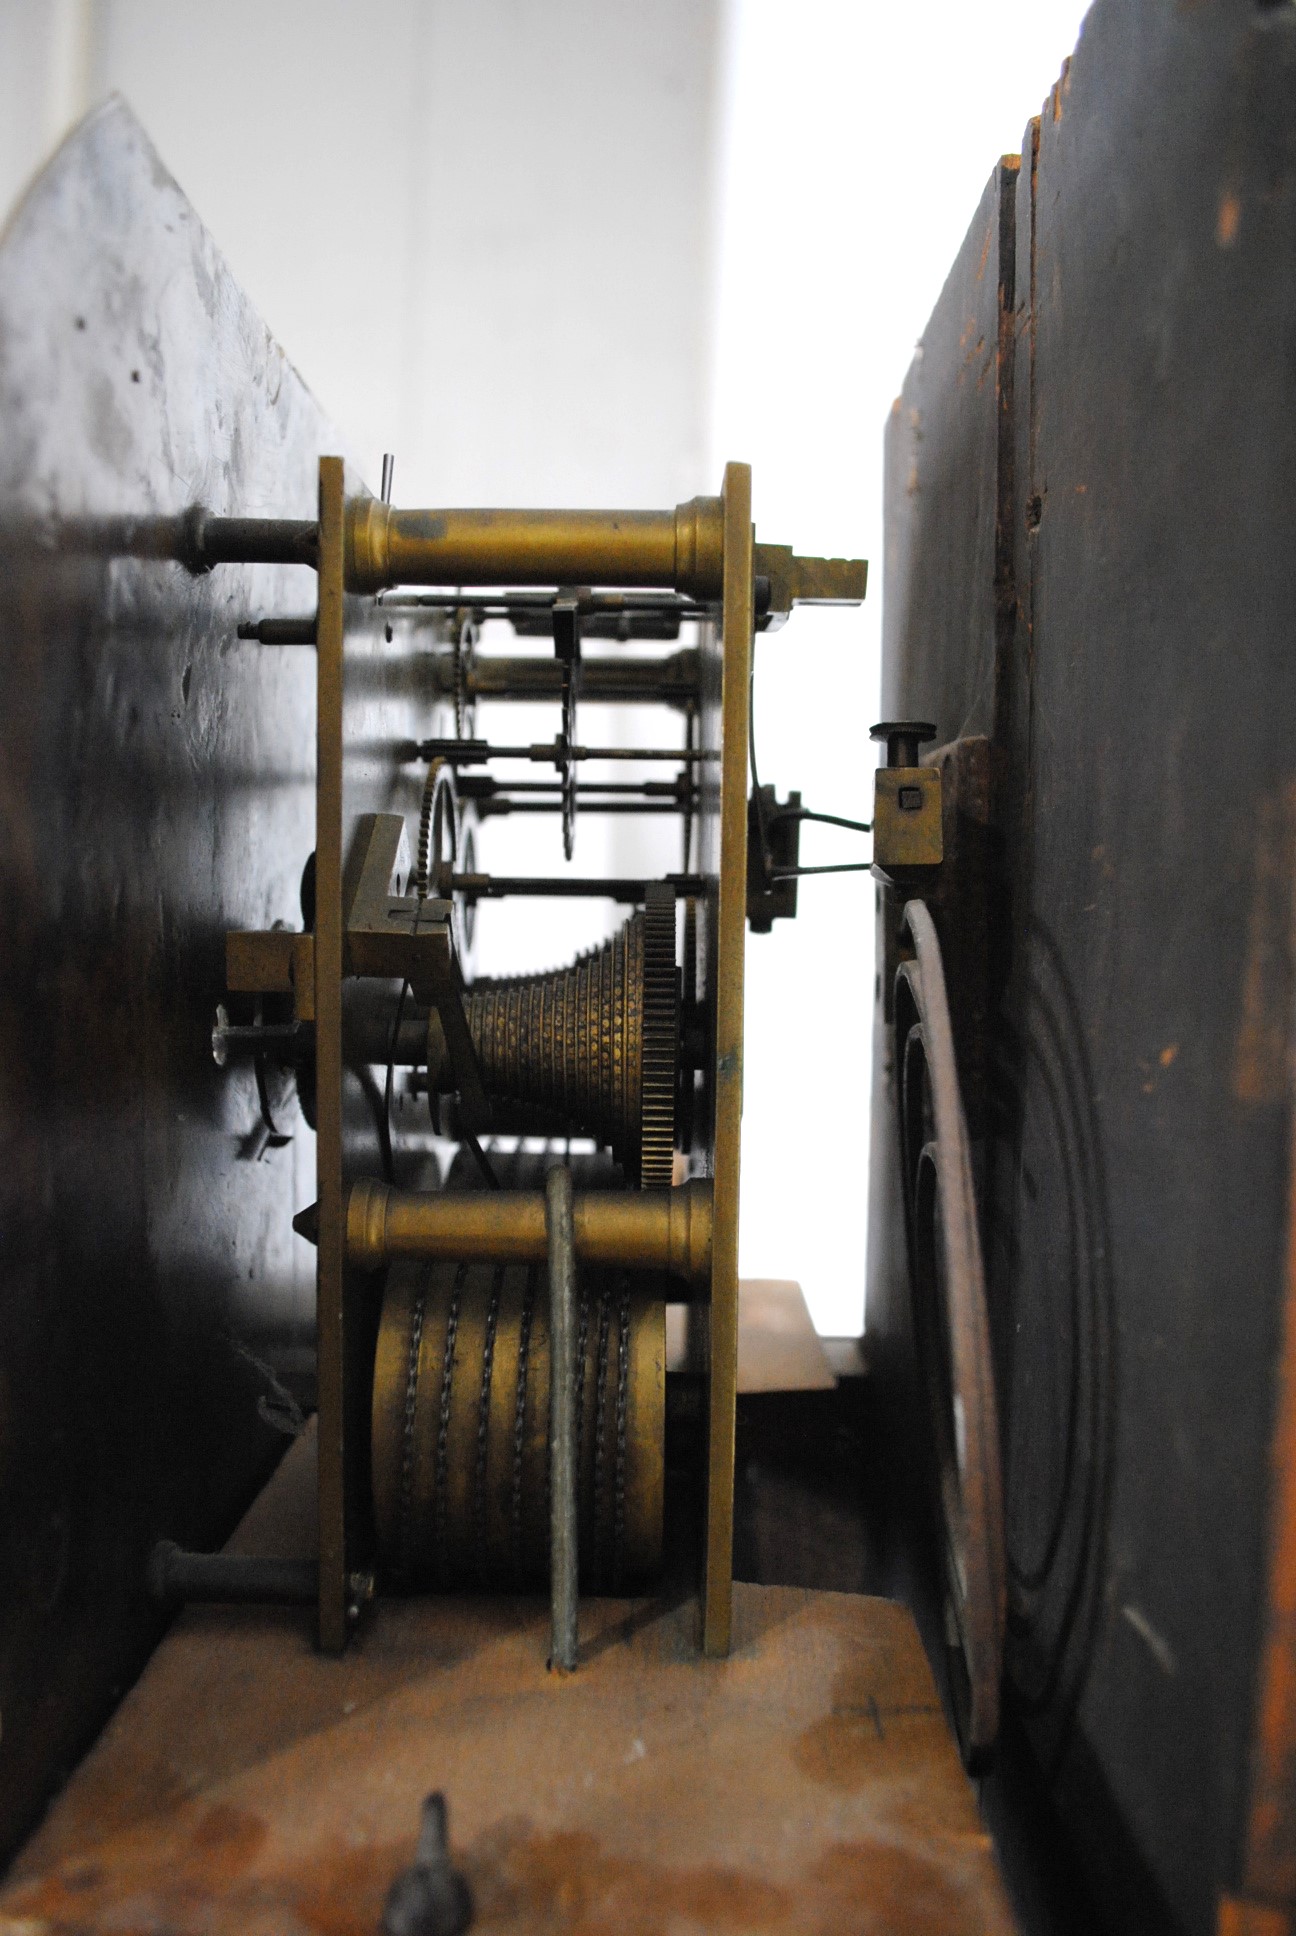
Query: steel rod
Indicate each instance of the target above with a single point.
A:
(839, 867)
(234, 1579)
(476, 752)
(563, 1555)
(280, 631)
(501, 887)
(501, 806)
(212, 541)
(286, 1042)
(476, 786)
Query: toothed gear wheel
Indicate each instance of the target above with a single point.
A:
(593, 1046)
(661, 1002)
(465, 655)
(686, 1078)
(438, 835)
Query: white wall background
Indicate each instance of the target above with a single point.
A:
(481, 228)
(582, 251)
(858, 139)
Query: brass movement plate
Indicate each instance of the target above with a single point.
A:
(370, 700)
(329, 1326)
(731, 936)
(344, 793)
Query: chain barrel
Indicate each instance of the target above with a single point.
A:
(460, 1427)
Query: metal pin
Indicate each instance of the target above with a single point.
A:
(563, 1559)
(388, 471)
(236, 1579)
(430, 1898)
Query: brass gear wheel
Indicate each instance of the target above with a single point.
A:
(593, 1049)
(661, 1001)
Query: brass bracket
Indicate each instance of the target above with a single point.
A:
(803, 581)
(907, 826)
(773, 856)
(908, 830)
(398, 936)
(273, 961)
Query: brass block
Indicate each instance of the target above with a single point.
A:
(461, 1427)
(273, 961)
(907, 828)
(809, 581)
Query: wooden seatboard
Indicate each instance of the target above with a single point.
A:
(249, 1783)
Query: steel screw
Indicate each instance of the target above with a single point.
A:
(430, 1898)
(903, 738)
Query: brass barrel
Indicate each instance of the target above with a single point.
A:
(663, 1230)
(460, 1433)
(680, 550)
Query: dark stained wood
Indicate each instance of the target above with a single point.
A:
(1163, 701)
(941, 461)
(1269, 1851)
(807, 1783)
(156, 787)
(1143, 714)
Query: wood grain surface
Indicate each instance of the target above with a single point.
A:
(250, 1784)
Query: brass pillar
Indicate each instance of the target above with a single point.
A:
(665, 1230)
(680, 550)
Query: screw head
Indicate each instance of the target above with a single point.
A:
(903, 738)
